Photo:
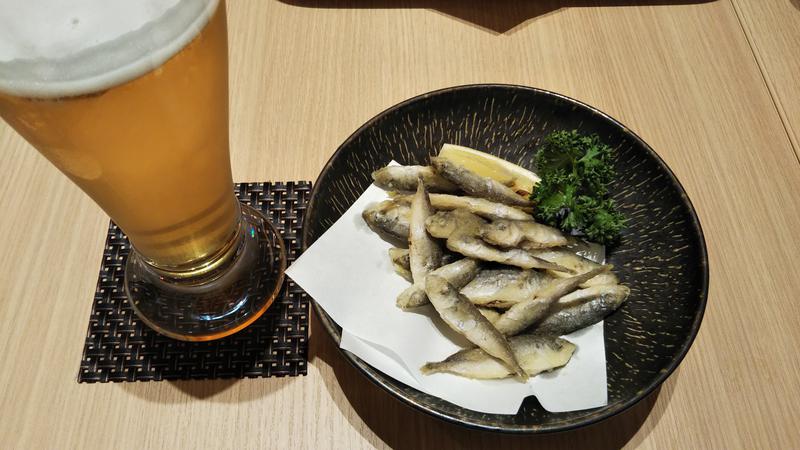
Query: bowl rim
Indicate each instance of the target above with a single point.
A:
(377, 377)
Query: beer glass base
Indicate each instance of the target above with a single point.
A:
(215, 304)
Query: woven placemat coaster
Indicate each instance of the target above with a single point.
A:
(119, 347)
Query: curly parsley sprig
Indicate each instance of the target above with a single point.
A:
(576, 170)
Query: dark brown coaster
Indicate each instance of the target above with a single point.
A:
(119, 347)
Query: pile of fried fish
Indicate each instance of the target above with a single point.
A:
(509, 285)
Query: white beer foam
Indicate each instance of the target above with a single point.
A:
(57, 48)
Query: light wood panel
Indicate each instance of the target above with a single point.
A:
(302, 79)
(773, 30)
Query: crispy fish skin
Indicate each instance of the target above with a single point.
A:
(404, 179)
(576, 263)
(445, 224)
(479, 206)
(503, 288)
(457, 273)
(476, 185)
(476, 248)
(424, 253)
(510, 233)
(487, 283)
(582, 308)
(401, 263)
(464, 317)
(524, 314)
(390, 220)
(588, 250)
(399, 256)
(460, 227)
(536, 354)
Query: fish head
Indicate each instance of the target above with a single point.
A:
(370, 215)
(437, 287)
(396, 211)
(441, 224)
(439, 164)
(616, 294)
(384, 179)
(501, 232)
(385, 212)
(466, 222)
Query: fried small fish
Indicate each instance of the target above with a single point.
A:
(457, 273)
(476, 185)
(479, 206)
(582, 308)
(424, 255)
(400, 260)
(460, 227)
(576, 263)
(490, 314)
(525, 313)
(445, 224)
(510, 233)
(476, 248)
(590, 250)
(536, 354)
(404, 179)
(401, 263)
(464, 317)
(503, 288)
(390, 220)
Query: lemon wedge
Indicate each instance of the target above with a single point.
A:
(517, 178)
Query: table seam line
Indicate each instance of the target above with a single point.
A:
(773, 95)
(767, 81)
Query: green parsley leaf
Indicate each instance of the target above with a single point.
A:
(576, 170)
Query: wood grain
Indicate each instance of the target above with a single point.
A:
(681, 75)
(773, 31)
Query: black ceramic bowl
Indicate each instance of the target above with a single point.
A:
(661, 256)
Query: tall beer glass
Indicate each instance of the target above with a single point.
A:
(129, 99)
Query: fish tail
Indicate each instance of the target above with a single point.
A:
(553, 266)
(412, 297)
(520, 374)
(516, 369)
(431, 368)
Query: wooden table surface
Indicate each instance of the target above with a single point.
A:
(712, 86)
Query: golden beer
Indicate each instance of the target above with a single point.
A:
(135, 112)
(130, 146)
